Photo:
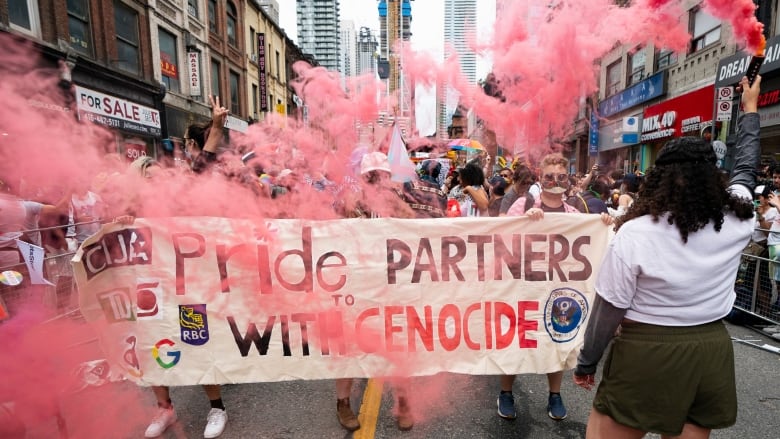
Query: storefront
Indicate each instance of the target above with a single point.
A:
(730, 71)
(619, 147)
(686, 115)
(137, 128)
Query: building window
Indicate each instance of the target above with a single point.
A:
(705, 30)
(192, 8)
(169, 62)
(23, 16)
(213, 16)
(636, 66)
(252, 42)
(664, 58)
(216, 83)
(613, 78)
(232, 18)
(278, 70)
(235, 103)
(126, 28)
(78, 26)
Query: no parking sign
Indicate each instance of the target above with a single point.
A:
(725, 97)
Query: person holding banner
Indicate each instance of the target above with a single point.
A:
(201, 145)
(667, 280)
(554, 180)
(378, 199)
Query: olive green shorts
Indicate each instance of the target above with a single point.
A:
(657, 378)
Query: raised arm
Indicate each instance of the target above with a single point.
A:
(218, 116)
(748, 153)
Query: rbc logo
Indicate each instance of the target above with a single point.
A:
(174, 355)
(194, 324)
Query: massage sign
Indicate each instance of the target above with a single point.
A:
(183, 301)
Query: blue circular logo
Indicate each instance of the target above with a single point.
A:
(564, 313)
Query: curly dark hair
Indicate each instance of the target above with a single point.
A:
(472, 175)
(686, 184)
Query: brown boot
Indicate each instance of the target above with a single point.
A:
(404, 417)
(346, 416)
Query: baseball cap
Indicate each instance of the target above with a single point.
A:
(374, 161)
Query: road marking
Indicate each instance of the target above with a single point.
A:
(369, 409)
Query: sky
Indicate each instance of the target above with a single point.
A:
(427, 36)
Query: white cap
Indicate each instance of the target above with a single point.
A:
(374, 161)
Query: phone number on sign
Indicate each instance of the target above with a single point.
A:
(101, 119)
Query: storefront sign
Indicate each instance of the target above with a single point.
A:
(168, 68)
(731, 69)
(643, 91)
(593, 138)
(117, 113)
(769, 116)
(685, 115)
(261, 71)
(193, 59)
(613, 134)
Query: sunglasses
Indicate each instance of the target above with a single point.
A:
(560, 178)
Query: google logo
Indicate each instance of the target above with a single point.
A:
(175, 355)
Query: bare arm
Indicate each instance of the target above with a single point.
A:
(218, 116)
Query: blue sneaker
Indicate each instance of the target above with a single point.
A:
(555, 407)
(506, 405)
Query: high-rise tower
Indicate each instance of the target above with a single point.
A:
(318, 31)
(348, 56)
(395, 23)
(367, 46)
(460, 23)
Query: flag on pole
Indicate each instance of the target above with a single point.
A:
(33, 257)
(402, 168)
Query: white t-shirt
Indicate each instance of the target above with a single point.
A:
(649, 271)
(774, 234)
(761, 236)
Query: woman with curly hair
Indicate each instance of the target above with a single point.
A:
(667, 280)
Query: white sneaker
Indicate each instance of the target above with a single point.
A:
(216, 423)
(161, 421)
(772, 329)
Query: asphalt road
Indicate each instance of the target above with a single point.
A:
(445, 406)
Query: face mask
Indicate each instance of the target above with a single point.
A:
(557, 190)
(555, 183)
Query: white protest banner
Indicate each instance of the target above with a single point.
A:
(204, 300)
(33, 258)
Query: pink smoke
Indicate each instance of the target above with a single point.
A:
(742, 17)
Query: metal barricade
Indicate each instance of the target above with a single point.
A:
(59, 299)
(756, 291)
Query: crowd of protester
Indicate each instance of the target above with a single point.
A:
(442, 189)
